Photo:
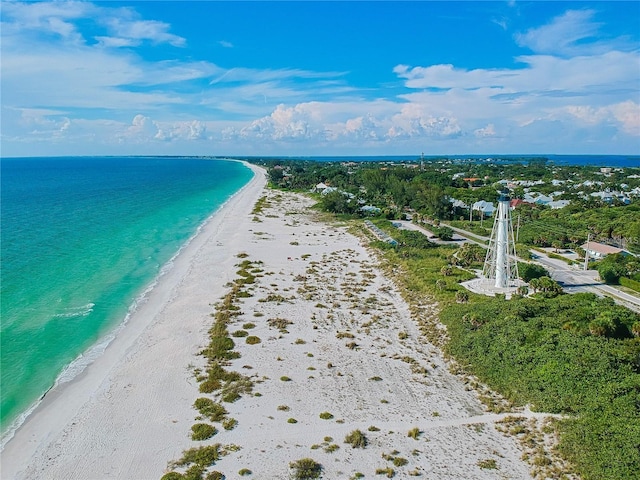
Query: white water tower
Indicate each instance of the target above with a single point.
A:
(501, 263)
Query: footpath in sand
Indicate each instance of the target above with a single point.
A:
(345, 345)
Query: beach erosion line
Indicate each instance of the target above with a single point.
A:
(77, 366)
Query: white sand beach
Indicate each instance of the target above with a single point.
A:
(351, 349)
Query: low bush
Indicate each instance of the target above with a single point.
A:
(200, 456)
(253, 340)
(229, 423)
(210, 409)
(202, 431)
(305, 469)
(326, 416)
(356, 439)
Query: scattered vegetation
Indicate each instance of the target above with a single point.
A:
(489, 464)
(326, 416)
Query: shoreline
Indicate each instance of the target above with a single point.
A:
(351, 357)
(34, 428)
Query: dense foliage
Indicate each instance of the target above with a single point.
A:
(542, 352)
(426, 190)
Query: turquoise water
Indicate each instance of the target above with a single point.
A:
(81, 239)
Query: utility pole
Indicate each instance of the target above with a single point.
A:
(586, 253)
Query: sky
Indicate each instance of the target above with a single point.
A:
(319, 78)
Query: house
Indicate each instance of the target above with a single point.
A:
(458, 203)
(557, 204)
(597, 250)
(486, 208)
(516, 202)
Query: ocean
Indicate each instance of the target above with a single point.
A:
(83, 239)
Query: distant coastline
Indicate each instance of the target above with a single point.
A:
(574, 160)
(596, 160)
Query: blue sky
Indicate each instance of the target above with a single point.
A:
(319, 78)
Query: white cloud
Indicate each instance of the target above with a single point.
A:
(225, 44)
(137, 31)
(488, 131)
(565, 35)
(59, 86)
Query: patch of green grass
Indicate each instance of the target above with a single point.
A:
(240, 333)
(249, 326)
(244, 472)
(326, 416)
(253, 340)
(414, 433)
(292, 420)
(284, 378)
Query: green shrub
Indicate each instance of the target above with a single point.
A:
(284, 378)
(400, 462)
(201, 456)
(172, 476)
(240, 333)
(389, 472)
(292, 420)
(629, 283)
(229, 423)
(326, 416)
(253, 340)
(305, 469)
(414, 433)
(249, 326)
(244, 471)
(210, 385)
(210, 409)
(529, 271)
(356, 439)
(202, 431)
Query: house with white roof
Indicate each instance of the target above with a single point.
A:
(487, 208)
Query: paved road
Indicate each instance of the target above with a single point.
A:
(572, 279)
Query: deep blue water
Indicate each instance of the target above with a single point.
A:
(82, 238)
